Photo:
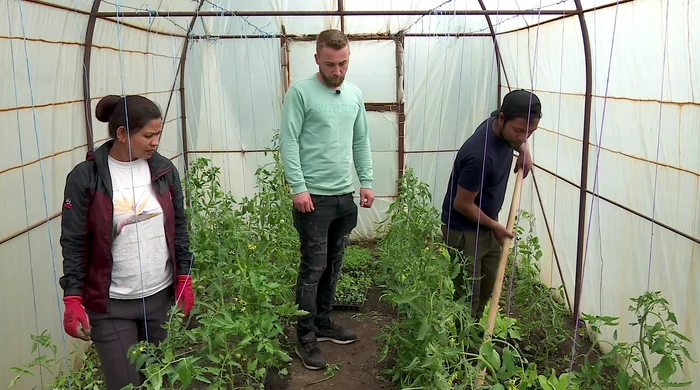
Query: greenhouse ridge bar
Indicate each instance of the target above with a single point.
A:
(145, 14)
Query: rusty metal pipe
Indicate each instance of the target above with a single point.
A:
(89, 33)
(584, 159)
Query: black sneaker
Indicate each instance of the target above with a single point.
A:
(309, 353)
(335, 333)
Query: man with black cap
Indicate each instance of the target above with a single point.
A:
(476, 191)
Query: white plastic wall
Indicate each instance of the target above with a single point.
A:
(643, 155)
(43, 129)
(47, 43)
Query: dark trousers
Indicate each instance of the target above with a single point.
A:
(113, 333)
(486, 254)
(323, 234)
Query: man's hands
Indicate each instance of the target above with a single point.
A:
(303, 203)
(525, 158)
(501, 232)
(366, 197)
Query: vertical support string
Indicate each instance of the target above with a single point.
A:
(556, 158)
(43, 181)
(658, 148)
(595, 190)
(24, 192)
(131, 165)
(533, 78)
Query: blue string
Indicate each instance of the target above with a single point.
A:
(245, 19)
(222, 115)
(556, 158)
(442, 111)
(188, 195)
(658, 148)
(533, 77)
(250, 90)
(43, 183)
(131, 165)
(24, 189)
(205, 93)
(595, 189)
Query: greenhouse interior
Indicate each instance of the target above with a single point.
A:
(226, 102)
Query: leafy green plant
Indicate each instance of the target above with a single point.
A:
(542, 319)
(88, 376)
(434, 343)
(554, 382)
(357, 258)
(352, 288)
(656, 339)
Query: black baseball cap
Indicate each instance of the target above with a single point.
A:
(520, 104)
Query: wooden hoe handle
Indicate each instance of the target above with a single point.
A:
(498, 287)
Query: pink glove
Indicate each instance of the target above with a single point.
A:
(75, 320)
(184, 293)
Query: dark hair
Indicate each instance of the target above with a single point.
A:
(140, 110)
(335, 39)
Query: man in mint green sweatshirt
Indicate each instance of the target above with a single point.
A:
(324, 133)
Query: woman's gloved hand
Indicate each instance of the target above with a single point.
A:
(184, 293)
(75, 320)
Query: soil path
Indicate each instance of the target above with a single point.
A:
(360, 369)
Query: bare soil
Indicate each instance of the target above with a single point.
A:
(360, 368)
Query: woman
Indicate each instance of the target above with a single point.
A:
(125, 242)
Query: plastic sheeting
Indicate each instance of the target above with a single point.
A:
(44, 137)
(450, 89)
(631, 118)
(44, 121)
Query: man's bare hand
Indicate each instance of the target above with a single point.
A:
(303, 203)
(501, 232)
(524, 158)
(366, 197)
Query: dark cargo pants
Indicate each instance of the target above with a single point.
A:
(323, 235)
(482, 270)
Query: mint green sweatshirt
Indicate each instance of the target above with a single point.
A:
(322, 134)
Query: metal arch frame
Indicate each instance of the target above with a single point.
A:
(94, 14)
(583, 185)
(87, 54)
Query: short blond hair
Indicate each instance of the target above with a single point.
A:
(335, 39)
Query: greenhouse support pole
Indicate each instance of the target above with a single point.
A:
(401, 109)
(341, 11)
(183, 58)
(284, 60)
(87, 54)
(578, 286)
(499, 60)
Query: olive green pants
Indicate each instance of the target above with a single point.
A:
(479, 266)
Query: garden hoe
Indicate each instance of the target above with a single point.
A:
(493, 306)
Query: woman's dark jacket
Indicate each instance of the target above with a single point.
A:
(86, 225)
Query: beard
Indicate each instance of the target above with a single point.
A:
(331, 82)
(515, 144)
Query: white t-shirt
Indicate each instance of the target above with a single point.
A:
(141, 265)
